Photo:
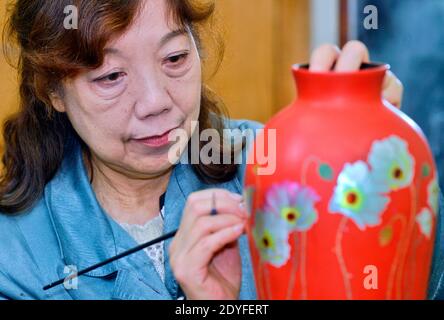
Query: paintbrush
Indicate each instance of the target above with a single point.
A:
(125, 254)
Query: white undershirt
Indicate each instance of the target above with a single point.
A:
(144, 233)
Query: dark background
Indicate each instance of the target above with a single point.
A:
(410, 38)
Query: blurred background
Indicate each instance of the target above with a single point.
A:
(264, 38)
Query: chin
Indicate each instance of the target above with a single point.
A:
(155, 169)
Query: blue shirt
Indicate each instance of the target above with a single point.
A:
(68, 227)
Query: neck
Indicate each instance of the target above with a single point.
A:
(340, 88)
(127, 199)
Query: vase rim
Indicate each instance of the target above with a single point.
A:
(366, 68)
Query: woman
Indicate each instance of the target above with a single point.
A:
(87, 168)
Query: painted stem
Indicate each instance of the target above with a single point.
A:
(341, 260)
(267, 284)
(410, 229)
(413, 267)
(394, 268)
(304, 292)
(260, 281)
(304, 171)
(305, 167)
(412, 261)
(294, 267)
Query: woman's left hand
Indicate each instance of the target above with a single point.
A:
(351, 58)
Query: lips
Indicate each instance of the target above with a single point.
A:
(156, 140)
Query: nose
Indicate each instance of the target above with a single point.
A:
(153, 97)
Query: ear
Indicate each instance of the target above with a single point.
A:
(57, 102)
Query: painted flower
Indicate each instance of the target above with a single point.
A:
(294, 204)
(248, 198)
(271, 237)
(392, 164)
(433, 194)
(357, 197)
(425, 222)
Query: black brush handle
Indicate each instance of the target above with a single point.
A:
(117, 257)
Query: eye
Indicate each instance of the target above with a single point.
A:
(110, 79)
(176, 60)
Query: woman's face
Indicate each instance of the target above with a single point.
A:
(149, 84)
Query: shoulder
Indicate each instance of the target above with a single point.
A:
(23, 241)
(11, 237)
(12, 226)
(243, 124)
(12, 244)
(244, 131)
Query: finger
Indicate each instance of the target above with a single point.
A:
(324, 58)
(393, 89)
(235, 209)
(203, 253)
(187, 236)
(201, 203)
(208, 225)
(353, 55)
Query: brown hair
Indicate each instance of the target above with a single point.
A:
(36, 136)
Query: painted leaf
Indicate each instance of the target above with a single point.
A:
(425, 170)
(386, 236)
(326, 172)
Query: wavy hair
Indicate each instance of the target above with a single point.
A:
(35, 136)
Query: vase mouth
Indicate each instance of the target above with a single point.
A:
(366, 68)
(363, 84)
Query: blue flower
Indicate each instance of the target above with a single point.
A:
(358, 197)
(271, 238)
(294, 204)
(392, 164)
(425, 222)
(433, 194)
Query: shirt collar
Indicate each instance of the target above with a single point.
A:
(83, 229)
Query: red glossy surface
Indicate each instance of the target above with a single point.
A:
(336, 120)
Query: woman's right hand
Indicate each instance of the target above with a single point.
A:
(204, 254)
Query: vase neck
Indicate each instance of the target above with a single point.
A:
(363, 85)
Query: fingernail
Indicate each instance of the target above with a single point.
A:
(238, 227)
(243, 208)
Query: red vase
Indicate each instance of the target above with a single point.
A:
(350, 210)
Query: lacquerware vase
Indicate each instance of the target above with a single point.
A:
(351, 208)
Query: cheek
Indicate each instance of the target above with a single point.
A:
(93, 121)
(186, 93)
(101, 124)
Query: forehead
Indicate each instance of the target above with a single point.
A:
(151, 24)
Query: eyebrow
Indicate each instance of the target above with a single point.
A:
(165, 39)
(169, 36)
